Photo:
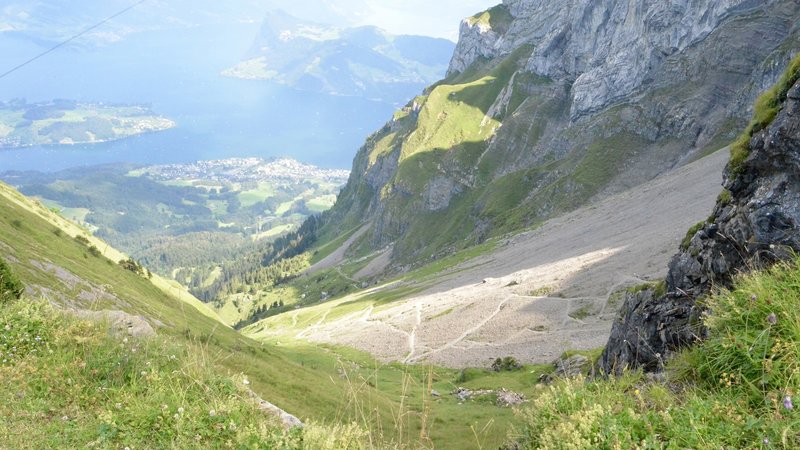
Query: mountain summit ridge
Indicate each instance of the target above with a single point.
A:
(363, 61)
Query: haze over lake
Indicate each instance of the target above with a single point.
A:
(177, 72)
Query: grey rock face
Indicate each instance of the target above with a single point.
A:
(438, 193)
(475, 41)
(121, 323)
(756, 223)
(567, 367)
(570, 367)
(287, 420)
(607, 49)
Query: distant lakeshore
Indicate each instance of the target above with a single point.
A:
(67, 122)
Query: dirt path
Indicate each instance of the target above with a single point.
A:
(464, 335)
(412, 337)
(310, 330)
(541, 292)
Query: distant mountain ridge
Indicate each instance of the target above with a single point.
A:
(363, 61)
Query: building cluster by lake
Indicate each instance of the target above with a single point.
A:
(240, 170)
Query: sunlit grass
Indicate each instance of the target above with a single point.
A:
(735, 390)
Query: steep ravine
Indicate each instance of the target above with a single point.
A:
(548, 107)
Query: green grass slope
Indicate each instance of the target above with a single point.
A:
(66, 383)
(54, 253)
(55, 267)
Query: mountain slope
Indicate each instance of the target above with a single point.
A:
(731, 294)
(68, 383)
(547, 107)
(384, 406)
(81, 275)
(532, 296)
(186, 221)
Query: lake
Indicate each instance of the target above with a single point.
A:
(177, 72)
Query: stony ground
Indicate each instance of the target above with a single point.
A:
(542, 292)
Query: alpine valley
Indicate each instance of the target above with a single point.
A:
(506, 265)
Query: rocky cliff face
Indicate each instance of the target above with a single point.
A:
(607, 49)
(756, 222)
(549, 105)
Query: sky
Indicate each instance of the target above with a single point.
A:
(439, 18)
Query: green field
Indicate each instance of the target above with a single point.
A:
(23, 124)
(253, 196)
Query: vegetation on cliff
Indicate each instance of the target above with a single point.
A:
(766, 109)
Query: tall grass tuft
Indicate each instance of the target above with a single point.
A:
(755, 337)
(69, 383)
(736, 390)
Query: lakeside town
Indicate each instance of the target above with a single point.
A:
(242, 170)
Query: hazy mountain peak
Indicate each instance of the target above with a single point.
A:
(359, 61)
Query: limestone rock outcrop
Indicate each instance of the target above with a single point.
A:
(607, 48)
(756, 222)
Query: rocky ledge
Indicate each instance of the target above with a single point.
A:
(756, 222)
